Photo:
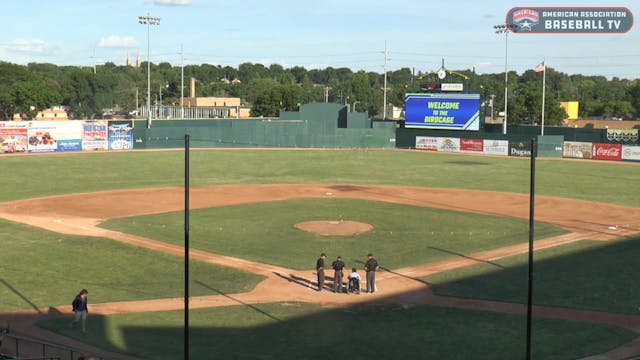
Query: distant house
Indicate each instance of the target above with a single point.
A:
(55, 113)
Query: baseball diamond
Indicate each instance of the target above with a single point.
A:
(81, 214)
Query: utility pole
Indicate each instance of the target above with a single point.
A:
(181, 83)
(384, 92)
(94, 60)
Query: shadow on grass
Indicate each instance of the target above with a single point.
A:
(309, 332)
(466, 162)
(588, 275)
(20, 295)
(466, 256)
(252, 307)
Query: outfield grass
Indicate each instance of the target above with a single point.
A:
(585, 275)
(86, 172)
(403, 235)
(39, 268)
(298, 331)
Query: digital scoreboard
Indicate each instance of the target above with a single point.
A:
(442, 111)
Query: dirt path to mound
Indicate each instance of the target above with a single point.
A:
(80, 213)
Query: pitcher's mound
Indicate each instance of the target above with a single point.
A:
(334, 228)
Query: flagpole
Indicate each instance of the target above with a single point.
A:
(544, 83)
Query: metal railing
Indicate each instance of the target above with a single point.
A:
(25, 348)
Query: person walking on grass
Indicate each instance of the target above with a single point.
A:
(320, 270)
(337, 267)
(370, 267)
(80, 308)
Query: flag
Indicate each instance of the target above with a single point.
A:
(539, 68)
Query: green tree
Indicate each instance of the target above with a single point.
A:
(32, 96)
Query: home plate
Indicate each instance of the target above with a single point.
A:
(57, 220)
(613, 228)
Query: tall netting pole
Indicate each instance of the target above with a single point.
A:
(532, 202)
(186, 246)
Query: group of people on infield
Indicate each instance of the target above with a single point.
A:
(353, 284)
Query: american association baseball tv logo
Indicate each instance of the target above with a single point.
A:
(589, 20)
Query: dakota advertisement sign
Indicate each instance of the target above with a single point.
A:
(443, 111)
(577, 20)
(520, 148)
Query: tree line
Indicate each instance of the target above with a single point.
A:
(90, 92)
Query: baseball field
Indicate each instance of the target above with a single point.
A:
(449, 231)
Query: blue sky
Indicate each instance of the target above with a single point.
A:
(309, 33)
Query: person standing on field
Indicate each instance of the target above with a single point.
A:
(320, 270)
(338, 267)
(80, 308)
(370, 267)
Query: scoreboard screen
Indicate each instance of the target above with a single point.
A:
(442, 111)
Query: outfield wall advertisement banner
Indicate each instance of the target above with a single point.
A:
(50, 136)
(69, 135)
(13, 138)
(442, 111)
(64, 136)
(578, 150)
(426, 143)
(443, 144)
(120, 135)
(607, 152)
(95, 135)
(448, 144)
(520, 148)
(42, 136)
(471, 145)
(495, 147)
(631, 153)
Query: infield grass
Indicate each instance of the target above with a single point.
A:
(42, 175)
(300, 331)
(403, 235)
(39, 268)
(586, 275)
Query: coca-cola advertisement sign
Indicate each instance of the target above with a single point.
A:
(607, 151)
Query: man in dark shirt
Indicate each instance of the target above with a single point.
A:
(337, 267)
(80, 308)
(370, 267)
(320, 270)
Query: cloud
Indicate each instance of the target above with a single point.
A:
(27, 45)
(173, 2)
(115, 41)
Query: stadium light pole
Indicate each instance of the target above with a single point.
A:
(148, 20)
(504, 29)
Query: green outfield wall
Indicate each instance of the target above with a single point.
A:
(317, 125)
